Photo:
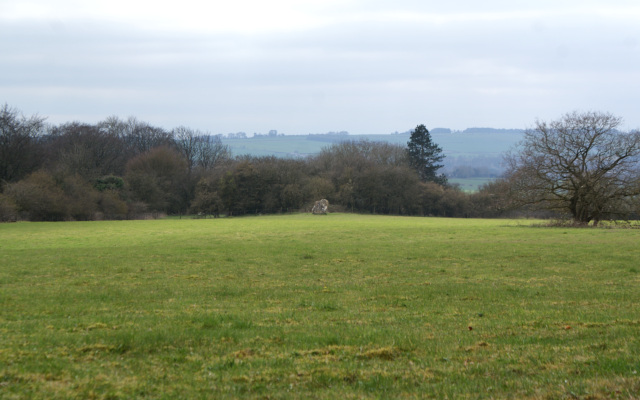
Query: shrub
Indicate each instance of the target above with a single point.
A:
(207, 203)
(109, 182)
(38, 198)
(8, 209)
(111, 206)
(82, 198)
(157, 178)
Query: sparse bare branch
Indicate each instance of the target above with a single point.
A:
(580, 164)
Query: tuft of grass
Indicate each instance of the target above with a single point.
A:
(295, 306)
(384, 353)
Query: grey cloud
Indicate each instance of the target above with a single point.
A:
(372, 75)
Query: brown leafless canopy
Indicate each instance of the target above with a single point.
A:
(580, 164)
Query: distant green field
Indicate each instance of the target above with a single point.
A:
(454, 144)
(470, 184)
(328, 307)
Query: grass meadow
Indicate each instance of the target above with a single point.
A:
(327, 307)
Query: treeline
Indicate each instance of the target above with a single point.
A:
(124, 169)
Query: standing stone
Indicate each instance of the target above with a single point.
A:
(321, 207)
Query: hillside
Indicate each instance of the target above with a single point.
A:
(482, 142)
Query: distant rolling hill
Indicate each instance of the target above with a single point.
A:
(469, 143)
(474, 153)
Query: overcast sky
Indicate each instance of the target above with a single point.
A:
(314, 66)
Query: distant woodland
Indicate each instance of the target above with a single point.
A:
(126, 168)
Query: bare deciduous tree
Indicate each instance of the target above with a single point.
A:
(84, 149)
(580, 164)
(200, 149)
(19, 153)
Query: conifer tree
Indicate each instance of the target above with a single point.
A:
(425, 155)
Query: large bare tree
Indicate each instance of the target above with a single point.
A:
(580, 165)
(200, 149)
(19, 150)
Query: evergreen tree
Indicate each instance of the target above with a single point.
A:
(425, 155)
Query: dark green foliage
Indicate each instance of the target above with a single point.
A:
(109, 182)
(110, 201)
(425, 155)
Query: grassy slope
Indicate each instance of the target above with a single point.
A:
(328, 307)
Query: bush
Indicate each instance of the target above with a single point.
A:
(38, 198)
(111, 206)
(8, 209)
(137, 210)
(82, 198)
(207, 203)
(157, 179)
(109, 182)
(445, 201)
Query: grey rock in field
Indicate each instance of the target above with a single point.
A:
(321, 207)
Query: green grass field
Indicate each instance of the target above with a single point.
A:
(329, 307)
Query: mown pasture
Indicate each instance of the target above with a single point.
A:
(302, 306)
